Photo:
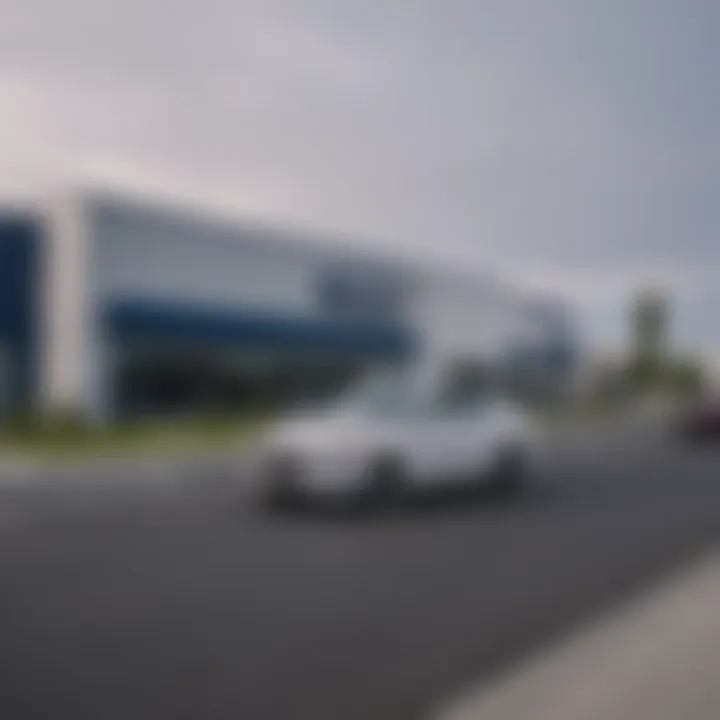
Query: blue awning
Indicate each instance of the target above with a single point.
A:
(150, 320)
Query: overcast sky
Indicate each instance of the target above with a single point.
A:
(570, 144)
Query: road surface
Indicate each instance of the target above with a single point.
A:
(155, 604)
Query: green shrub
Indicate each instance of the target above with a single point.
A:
(65, 423)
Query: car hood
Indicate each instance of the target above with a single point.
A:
(327, 433)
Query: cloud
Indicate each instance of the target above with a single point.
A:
(572, 144)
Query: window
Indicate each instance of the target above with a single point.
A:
(467, 387)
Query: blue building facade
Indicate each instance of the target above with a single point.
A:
(20, 255)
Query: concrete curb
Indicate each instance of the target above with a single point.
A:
(18, 472)
(142, 470)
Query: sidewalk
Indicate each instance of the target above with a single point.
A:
(656, 659)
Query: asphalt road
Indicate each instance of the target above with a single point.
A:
(122, 603)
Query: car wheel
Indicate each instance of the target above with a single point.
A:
(385, 484)
(511, 473)
(280, 500)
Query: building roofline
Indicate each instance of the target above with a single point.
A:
(286, 231)
(289, 233)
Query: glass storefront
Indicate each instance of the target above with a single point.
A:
(187, 382)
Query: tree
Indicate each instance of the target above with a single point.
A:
(648, 355)
(686, 378)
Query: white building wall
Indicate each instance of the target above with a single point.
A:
(155, 255)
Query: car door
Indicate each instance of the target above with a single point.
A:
(443, 444)
(470, 433)
(469, 436)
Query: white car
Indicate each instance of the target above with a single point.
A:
(396, 434)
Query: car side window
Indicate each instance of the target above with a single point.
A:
(462, 400)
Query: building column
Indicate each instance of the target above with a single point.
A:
(72, 350)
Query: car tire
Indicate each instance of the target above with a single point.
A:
(280, 501)
(511, 473)
(385, 484)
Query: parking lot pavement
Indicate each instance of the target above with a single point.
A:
(18, 471)
(124, 601)
(31, 493)
(657, 658)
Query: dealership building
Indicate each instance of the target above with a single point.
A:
(117, 306)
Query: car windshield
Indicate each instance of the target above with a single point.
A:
(406, 395)
(466, 392)
(390, 394)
